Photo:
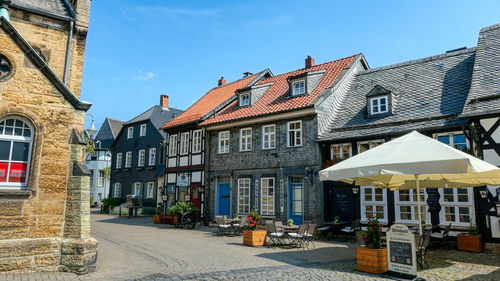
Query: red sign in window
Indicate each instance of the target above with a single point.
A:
(18, 172)
(4, 166)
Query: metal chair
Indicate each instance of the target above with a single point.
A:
(442, 235)
(422, 247)
(275, 237)
(223, 228)
(310, 235)
(238, 227)
(298, 238)
(351, 230)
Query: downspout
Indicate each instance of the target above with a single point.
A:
(68, 51)
(4, 9)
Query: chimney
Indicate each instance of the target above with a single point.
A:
(309, 61)
(164, 101)
(222, 81)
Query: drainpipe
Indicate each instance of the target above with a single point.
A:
(68, 51)
(4, 9)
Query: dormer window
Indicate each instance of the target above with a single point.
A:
(244, 99)
(298, 88)
(379, 102)
(378, 105)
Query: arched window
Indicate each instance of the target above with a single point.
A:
(16, 141)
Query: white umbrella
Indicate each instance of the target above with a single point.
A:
(413, 161)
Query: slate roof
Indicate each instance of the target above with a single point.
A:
(41, 65)
(57, 8)
(436, 87)
(158, 116)
(108, 132)
(116, 126)
(211, 100)
(276, 99)
(484, 94)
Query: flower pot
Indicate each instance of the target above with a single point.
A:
(470, 243)
(156, 219)
(372, 260)
(254, 237)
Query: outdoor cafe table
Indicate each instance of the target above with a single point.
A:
(287, 229)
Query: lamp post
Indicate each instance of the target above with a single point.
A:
(91, 130)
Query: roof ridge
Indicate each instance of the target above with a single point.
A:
(317, 65)
(110, 118)
(235, 81)
(420, 60)
(140, 114)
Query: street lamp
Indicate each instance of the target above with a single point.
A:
(91, 130)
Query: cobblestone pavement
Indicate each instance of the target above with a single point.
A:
(136, 249)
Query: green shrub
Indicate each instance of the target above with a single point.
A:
(181, 207)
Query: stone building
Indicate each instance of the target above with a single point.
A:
(262, 149)
(44, 186)
(185, 164)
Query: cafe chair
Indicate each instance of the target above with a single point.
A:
(223, 228)
(275, 237)
(351, 230)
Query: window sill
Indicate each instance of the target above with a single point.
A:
(16, 194)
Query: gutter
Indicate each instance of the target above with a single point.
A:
(68, 51)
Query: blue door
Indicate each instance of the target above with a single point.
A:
(223, 190)
(296, 199)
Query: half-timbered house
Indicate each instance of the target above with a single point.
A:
(185, 147)
(452, 97)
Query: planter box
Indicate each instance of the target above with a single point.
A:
(372, 260)
(254, 238)
(156, 219)
(470, 243)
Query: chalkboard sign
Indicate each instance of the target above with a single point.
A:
(342, 203)
(401, 254)
(433, 200)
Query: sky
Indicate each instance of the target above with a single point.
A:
(138, 50)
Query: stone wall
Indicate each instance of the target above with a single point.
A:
(283, 162)
(45, 227)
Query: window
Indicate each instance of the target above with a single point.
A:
(457, 205)
(244, 99)
(269, 136)
(143, 130)
(152, 156)
(184, 146)
(294, 133)
(246, 139)
(299, 88)
(119, 158)
(267, 196)
(128, 159)
(100, 178)
(137, 188)
(141, 159)
(224, 142)
(117, 192)
(407, 206)
(196, 141)
(374, 203)
(151, 190)
(172, 145)
(16, 140)
(366, 145)
(130, 132)
(243, 196)
(378, 105)
(340, 151)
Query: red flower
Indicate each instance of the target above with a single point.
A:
(252, 224)
(368, 223)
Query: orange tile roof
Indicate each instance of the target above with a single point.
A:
(276, 99)
(209, 101)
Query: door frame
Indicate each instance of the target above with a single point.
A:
(289, 212)
(216, 213)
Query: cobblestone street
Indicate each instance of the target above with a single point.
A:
(136, 249)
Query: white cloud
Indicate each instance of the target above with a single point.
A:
(143, 76)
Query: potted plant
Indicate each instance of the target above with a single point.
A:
(336, 219)
(236, 217)
(180, 208)
(253, 236)
(372, 258)
(159, 211)
(290, 222)
(472, 241)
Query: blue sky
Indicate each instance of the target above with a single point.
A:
(137, 50)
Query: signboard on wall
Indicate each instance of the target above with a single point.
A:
(401, 252)
(182, 180)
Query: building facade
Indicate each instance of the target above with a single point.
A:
(99, 162)
(185, 150)
(442, 97)
(44, 185)
(262, 152)
(137, 161)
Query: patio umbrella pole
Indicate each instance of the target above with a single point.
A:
(419, 209)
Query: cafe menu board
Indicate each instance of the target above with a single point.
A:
(433, 200)
(401, 251)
